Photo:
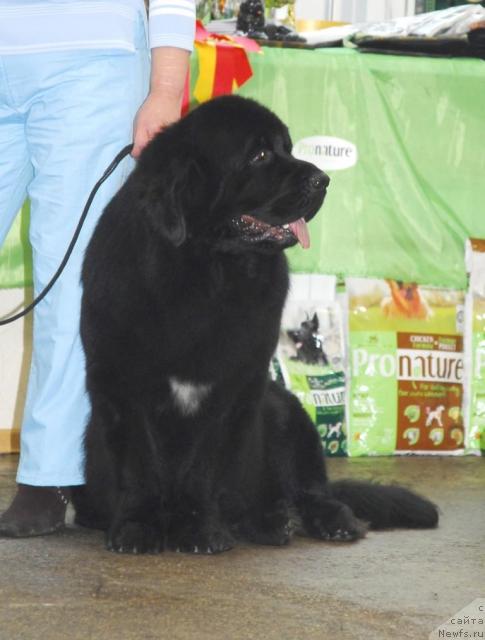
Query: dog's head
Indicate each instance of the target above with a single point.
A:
(224, 174)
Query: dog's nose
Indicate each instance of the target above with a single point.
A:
(319, 180)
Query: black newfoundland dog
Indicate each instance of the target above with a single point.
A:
(189, 446)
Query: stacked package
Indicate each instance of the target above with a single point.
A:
(474, 404)
(310, 357)
(388, 367)
(405, 365)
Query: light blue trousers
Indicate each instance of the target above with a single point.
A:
(63, 118)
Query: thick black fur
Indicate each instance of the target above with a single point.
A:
(189, 446)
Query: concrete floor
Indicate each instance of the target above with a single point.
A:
(398, 585)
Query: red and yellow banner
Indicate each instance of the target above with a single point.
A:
(223, 64)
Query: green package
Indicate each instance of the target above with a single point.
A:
(474, 401)
(310, 358)
(405, 358)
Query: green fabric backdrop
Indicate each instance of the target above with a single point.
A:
(417, 189)
(15, 254)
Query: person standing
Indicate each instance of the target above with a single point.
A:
(77, 84)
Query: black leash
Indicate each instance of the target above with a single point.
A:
(124, 152)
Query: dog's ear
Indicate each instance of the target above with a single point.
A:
(167, 183)
(315, 323)
(162, 203)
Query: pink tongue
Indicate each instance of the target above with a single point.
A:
(300, 230)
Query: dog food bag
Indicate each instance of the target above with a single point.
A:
(405, 362)
(310, 356)
(474, 397)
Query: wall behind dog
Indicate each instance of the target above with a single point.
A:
(354, 10)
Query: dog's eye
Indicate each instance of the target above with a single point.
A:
(261, 156)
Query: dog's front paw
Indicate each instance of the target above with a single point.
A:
(204, 542)
(135, 537)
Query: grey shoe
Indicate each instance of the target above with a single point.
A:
(35, 511)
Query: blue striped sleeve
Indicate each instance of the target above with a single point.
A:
(172, 23)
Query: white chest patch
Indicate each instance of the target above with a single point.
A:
(188, 396)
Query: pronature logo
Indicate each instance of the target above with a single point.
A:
(408, 364)
(326, 152)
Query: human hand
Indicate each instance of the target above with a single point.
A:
(157, 112)
(162, 107)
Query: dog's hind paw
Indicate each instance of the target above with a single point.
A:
(345, 527)
(271, 527)
(277, 536)
(135, 537)
(331, 521)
